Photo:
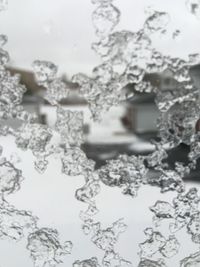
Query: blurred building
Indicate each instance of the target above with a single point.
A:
(133, 122)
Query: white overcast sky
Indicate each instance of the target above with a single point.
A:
(61, 30)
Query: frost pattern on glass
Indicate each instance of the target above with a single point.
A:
(15, 223)
(126, 172)
(105, 239)
(92, 262)
(184, 211)
(75, 162)
(191, 261)
(70, 126)
(151, 263)
(156, 22)
(45, 247)
(105, 18)
(10, 178)
(126, 57)
(156, 243)
(46, 76)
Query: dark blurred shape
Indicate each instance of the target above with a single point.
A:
(139, 119)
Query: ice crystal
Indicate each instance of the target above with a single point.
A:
(45, 71)
(127, 172)
(125, 47)
(145, 87)
(56, 91)
(194, 59)
(195, 147)
(45, 247)
(70, 126)
(151, 263)
(134, 74)
(126, 54)
(157, 62)
(91, 91)
(186, 205)
(41, 164)
(171, 180)
(92, 262)
(87, 218)
(184, 211)
(106, 239)
(126, 57)
(163, 210)
(105, 18)
(171, 247)
(33, 136)
(75, 162)
(178, 124)
(179, 68)
(166, 99)
(101, 91)
(14, 223)
(156, 22)
(194, 227)
(46, 76)
(156, 158)
(10, 178)
(88, 192)
(191, 261)
(167, 180)
(113, 259)
(11, 91)
(157, 243)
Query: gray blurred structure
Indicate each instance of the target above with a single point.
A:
(138, 118)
